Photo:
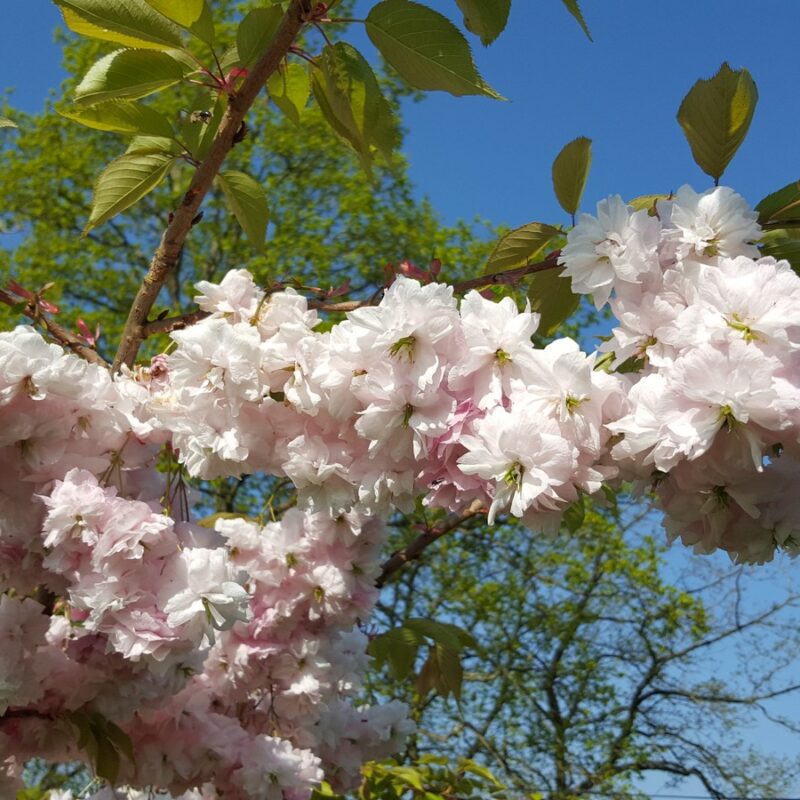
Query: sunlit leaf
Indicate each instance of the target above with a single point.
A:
(124, 182)
(289, 88)
(715, 116)
(133, 23)
(128, 74)
(122, 116)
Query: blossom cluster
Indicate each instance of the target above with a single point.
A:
(228, 658)
(414, 396)
(231, 658)
(714, 332)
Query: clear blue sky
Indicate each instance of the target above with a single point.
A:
(474, 156)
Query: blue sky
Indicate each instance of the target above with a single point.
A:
(478, 157)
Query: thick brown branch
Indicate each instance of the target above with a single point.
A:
(168, 252)
(417, 547)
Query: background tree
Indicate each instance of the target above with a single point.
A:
(595, 666)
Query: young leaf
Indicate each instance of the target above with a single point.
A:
(715, 116)
(122, 116)
(289, 88)
(570, 171)
(551, 295)
(129, 22)
(781, 205)
(350, 98)
(574, 9)
(248, 202)
(426, 48)
(485, 18)
(520, 246)
(154, 144)
(124, 182)
(128, 74)
(255, 33)
(7, 123)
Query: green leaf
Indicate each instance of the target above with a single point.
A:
(129, 22)
(551, 295)
(350, 98)
(648, 202)
(289, 88)
(248, 202)
(124, 182)
(444, 633)
(425, 48)
(122, 116)
(128, 74)
(255, 33)
(7, 123)
(520, 246)
(574, 515)
(574, 9)
(570, 171)
(450, 673)
(782, 243)
(184, 12)
(485, 18)
(781, 205)
(203, 28)
(716, 115)
(398, 648)
(154, 144)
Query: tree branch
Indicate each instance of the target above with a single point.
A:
(63, 336)
(509, 276)
(166, 256)
(417, 547)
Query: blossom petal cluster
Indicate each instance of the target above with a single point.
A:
(231, 658)
(713, 333)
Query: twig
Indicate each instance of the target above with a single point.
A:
(397, 560)
(63, 336)
(168, 252)
(509, 276)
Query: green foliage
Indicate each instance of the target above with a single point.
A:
(441, 672)
(574, 8)
(780, 206)
(248, 204)
(351, 100)
(715, 116)
(289, 88)
(255, 33)
(551, 295)
(132, 23)
(570, 171)
(425, 48)
(104, 743)
(122, 116)
(125, 181)
(520, 246)
(782, 243)
(648, 202)
(128, 74)
(485, 18)
(7, 123)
